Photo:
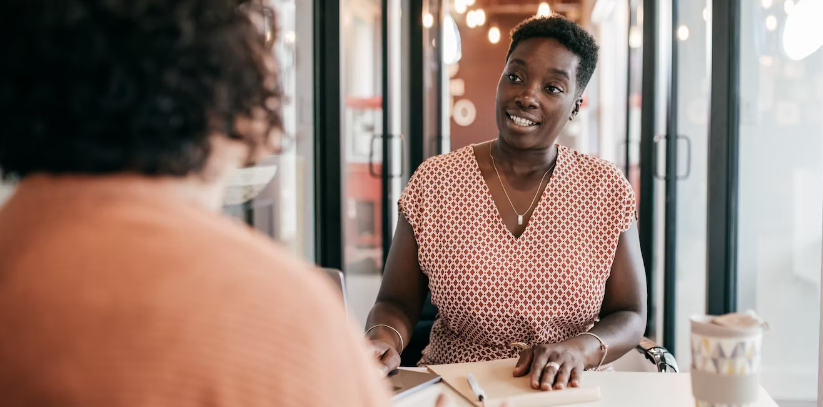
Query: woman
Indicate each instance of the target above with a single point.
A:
(528, 248)
(121, 284)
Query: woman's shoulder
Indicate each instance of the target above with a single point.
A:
(451, 162)
(594, 169)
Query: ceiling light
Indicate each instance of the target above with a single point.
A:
(494, 35)
(543, 10)
(788, 6)
(428, 20)
(683, 32)
(479, 17)
(803, 33)
(460, 6)
(635, 37)
(771, 23)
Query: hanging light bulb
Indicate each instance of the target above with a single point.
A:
(494, 35)
(460, 6)
(788, 6)
(766, 3)
(428, 20)
(479, 17)
(771, 23)
(543, 10)
(683, 32)
(635, 37)
(471, 21)
(802, 32)
(469, 2)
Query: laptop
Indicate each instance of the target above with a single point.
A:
(405, 382)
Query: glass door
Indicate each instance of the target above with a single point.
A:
(276, 196)
(690, 132)
(674, 157)
(374, 115)
(779, 236)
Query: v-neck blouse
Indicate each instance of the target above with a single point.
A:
(494, 289)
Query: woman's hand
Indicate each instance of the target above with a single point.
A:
(386, 355)
(552, 366)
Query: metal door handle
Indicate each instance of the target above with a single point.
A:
(654, 156)
(388, 139)
(688, 157)
(371, 155)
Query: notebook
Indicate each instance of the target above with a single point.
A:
(496, 379)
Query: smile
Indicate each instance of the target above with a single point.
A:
(520, 121)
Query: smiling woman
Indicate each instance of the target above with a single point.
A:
(560, 285)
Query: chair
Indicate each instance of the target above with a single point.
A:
(648, 356)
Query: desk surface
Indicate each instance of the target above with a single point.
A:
(618, 389)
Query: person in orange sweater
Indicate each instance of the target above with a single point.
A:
(120, 282)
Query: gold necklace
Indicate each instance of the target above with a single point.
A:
(536, 193)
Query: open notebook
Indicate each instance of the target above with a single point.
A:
(496, 379)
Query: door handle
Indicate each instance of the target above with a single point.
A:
(654, 156)
(688, 157)
(371, 155)
(388, 139)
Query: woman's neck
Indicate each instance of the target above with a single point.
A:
(523, 162)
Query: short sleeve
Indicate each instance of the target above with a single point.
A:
(627, 206)
(411, 202)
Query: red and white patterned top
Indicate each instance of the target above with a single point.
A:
(493, 289)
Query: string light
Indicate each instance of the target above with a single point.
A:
(494, 35)
(543, 10)
(428, 20)
(683, 32)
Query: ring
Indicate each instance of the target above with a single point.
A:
(555, 365)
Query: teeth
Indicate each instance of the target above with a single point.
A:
(521, 121)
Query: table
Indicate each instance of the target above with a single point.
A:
(618, 389)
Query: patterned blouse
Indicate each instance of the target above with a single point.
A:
(493, 289)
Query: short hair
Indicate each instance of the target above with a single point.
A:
(567, 33)
(108, 86)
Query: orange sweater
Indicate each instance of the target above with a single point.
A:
(113, 295)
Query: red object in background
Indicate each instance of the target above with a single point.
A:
(364, 190)
(374, 103)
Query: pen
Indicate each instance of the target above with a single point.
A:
(476, 388)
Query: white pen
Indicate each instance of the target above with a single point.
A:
(476, 388)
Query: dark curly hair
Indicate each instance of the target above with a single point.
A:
(106, 86)
(566, 32)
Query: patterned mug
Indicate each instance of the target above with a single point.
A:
(725, 366)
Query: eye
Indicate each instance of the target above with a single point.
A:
(554, 89)
(514, 78)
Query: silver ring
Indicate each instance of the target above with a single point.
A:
(555, 365)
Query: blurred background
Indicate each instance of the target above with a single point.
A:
(712, 111)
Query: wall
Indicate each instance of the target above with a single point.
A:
(480, 69)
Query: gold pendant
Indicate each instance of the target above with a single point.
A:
(519, 219)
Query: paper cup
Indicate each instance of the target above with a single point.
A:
(725, 361)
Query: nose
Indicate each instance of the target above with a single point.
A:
(527, 99)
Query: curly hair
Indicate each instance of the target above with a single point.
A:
(107, 86)
(567, 33)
